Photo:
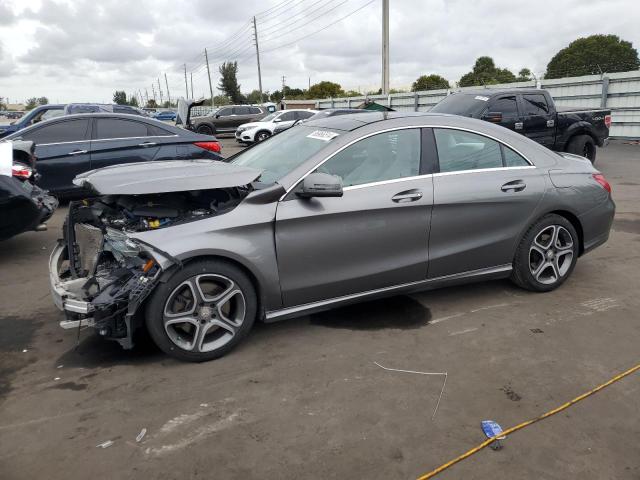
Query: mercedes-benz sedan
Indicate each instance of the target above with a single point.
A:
(331, 212)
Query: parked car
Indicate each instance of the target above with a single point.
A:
(72, 144)
(329, 112)
(262, 129)
(14, 115)
(227, 119)
(533, 113)
(23, 206)
(328, 213)
(165, 115)
(38, 114)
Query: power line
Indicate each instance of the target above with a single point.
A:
(270, 11)
(319, 30)
(302, 16)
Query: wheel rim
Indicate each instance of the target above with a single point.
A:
(262, 136)
(551, 254)
(204, 313)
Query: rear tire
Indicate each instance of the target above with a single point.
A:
(206, 130)
(547, 254)
(584, 146)
(203, 311)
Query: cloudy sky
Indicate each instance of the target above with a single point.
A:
(83, 50)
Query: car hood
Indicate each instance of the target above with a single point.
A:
(253, 125)
(166, 176)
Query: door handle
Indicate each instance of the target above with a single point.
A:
(77, 152)
(519, 125)
(515, 186)
(407, 196)
(147, 144)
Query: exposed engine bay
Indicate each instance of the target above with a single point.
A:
(102, 274)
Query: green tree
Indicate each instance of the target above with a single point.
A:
(325, 89)
(430, 82)
(352, 93)
(133, 101)
(254, 97)
(31, 103)
(485, 72)
(229, 81)
(43, 100)
(524, 75)
(593, 55)
(120, 97)
(151, 103)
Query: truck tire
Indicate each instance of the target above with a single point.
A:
(584, 146)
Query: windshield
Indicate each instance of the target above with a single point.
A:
(284, 152)
(462, 104)
(269, 117)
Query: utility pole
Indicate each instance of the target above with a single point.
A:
(206, 57)
(192, 85)
(186, 86)
(146, 94)
(255, 37)
(167, 84)
(160, 90)
(385, 47)
(154, 94)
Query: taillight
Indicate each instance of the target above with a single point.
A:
(211, 146)
(607, 121)
(21, 171)
(598, 177)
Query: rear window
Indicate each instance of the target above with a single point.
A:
(462, 104)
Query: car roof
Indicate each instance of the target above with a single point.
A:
(357, 120)
(490, 92)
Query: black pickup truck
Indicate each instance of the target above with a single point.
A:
(533, 113)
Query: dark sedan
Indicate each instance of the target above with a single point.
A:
(73, 144)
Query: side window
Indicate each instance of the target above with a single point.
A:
(535, 104)
(512, 159)
(68, 131)
(241, 110)
(225, 112)
(303, 115)
(508, 106)
(287, 117)
(458, 150)
(255, 111)
(53, 113)
(158, 132)
(118, 128)
(385, 156)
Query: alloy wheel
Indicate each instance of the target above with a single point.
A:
(551, 254)
(263, 136)
(204, 312)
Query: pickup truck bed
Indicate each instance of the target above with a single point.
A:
(533, 113)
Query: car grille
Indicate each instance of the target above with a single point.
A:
(89, 240)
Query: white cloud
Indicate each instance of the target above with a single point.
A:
(82, 50)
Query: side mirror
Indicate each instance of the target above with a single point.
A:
(493, 117)
(277, 120)
(321, 185)
(217, 115)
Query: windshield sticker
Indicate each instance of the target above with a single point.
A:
(322, 135)
(480, 97)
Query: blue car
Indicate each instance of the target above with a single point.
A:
(165, 115)
(38, 114)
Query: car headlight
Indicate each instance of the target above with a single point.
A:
(241, 129)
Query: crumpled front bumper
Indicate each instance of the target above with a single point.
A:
(64, 292)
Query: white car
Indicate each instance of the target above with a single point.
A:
(258, 131)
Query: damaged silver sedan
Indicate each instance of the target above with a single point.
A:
(328, 213)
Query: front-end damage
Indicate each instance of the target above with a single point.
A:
(100, 275)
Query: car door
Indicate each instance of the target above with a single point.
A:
(62, 151)
(117, 140)
(224, 120)
(285, 119)
(485, 196)
(241, 115)
(374, 236)
(538, 119)
(503, 110)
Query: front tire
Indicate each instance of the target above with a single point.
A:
(206, 130)
(203, 311)
(584, 146)
(262, 136)
(546, 255)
